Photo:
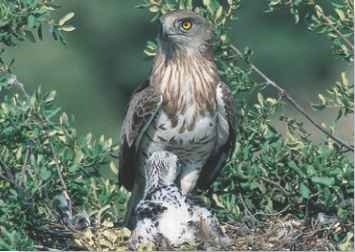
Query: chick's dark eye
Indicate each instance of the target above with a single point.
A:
(186, 25)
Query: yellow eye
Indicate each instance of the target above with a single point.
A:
(186, 25)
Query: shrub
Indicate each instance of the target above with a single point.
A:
(41, 153)
(42, 156)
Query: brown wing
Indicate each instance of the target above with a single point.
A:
(218, 159)
(143, 106)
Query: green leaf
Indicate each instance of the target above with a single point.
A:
(31, 21)
(66, 18)
(323, 180)
(304, 190)
(67, 28)
(45, 173)
(341, 14)
(260, 99)
(296, 168)
(50, 97)
(30, 36)
(347, 244)
(74, 168)
(274, 2)
(154, 9)
(211, 5)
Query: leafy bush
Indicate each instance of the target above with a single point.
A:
(20, 20)
(42, 155)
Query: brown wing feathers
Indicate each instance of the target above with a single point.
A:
(141, 110)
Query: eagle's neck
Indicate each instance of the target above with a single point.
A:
(187, 82)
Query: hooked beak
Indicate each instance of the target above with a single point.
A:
(166, 29)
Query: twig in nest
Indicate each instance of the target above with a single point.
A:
(45, 248)
(274, 214)
(100, 212)
(293, 102)
(246, 210)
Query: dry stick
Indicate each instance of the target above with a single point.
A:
(292, 101)
(275, 213)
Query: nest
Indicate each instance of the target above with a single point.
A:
(274, 233)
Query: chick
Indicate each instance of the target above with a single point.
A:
(166, 216)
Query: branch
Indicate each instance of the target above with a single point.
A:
(276, 184)
(59, 170)
(8, 176)
(292, 102)
(13, 80)
(342, 36)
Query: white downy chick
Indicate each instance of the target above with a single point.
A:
(166, 215)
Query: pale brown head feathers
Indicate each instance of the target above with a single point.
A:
(184, 71)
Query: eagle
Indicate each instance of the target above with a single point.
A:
(183, 107)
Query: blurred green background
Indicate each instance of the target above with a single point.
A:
(104, 61)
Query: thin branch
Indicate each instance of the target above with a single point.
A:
(275, 213)
(342, 36)
(3, 177)
(45, 248)
(24, 166)
(8, 177)
(59, 171)
(292, 102)
(246, 209)
(55, 156)
(276, 184)
(56, 159)
(100, 212)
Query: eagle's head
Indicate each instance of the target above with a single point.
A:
(185, 29)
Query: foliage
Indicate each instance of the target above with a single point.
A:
(42, 155)
(339, 97)
(333, 19)
(38, 148)
(20, 19)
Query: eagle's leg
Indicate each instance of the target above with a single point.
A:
(136, 196)
(188, 178)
